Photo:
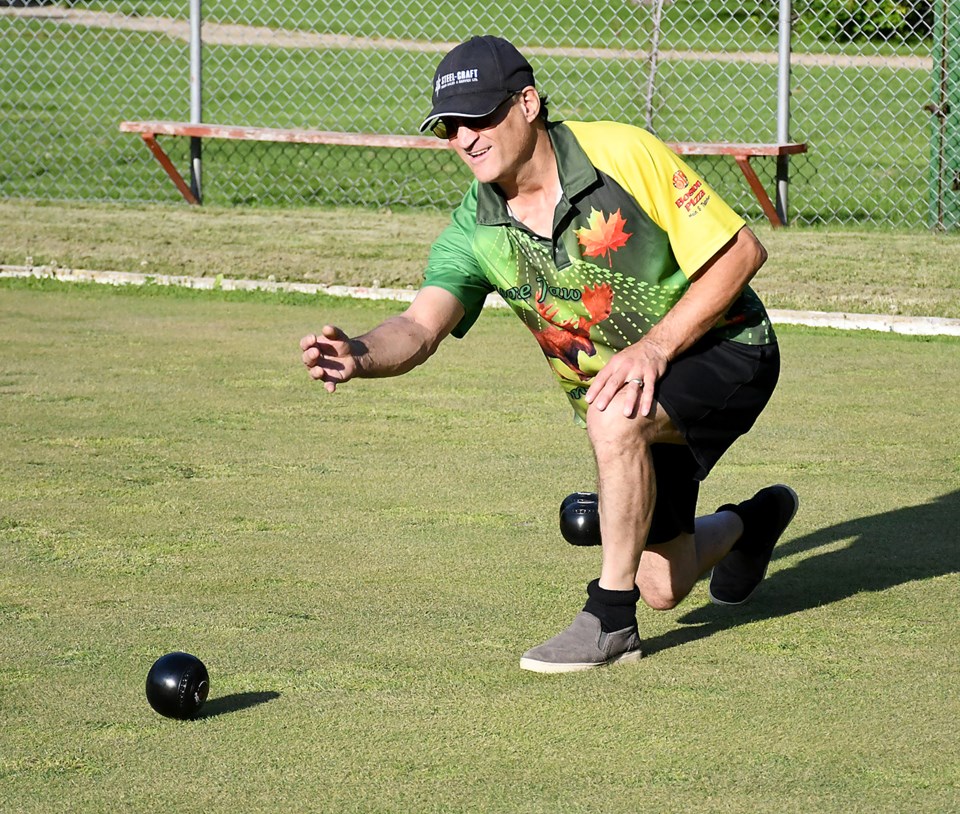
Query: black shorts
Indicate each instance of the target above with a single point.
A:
(713, 393)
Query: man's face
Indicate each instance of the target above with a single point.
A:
(495, 147)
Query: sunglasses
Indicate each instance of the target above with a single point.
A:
(446, 127)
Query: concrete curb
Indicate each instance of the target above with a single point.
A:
(916, 326)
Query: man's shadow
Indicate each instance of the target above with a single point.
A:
(883, 550)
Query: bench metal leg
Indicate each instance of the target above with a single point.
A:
(768, 208)
(150, 140)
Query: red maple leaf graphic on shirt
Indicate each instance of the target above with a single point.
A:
(601, 235)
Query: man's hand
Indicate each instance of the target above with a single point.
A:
(329, 357)
(713, 288)
(635, 370)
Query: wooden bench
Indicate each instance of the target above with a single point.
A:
(741, 153)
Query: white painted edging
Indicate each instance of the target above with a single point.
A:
(917, 326)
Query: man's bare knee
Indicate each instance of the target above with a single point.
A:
(611, 427)
(659, 600)
(658, 591)
(613, 434)
(667, 572)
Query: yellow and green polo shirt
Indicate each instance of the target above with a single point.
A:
(633, 225)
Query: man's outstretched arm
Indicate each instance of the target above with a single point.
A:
(395, 346)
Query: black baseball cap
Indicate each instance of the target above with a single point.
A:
(476, 77)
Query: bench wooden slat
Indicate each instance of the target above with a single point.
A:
(734, 148)
(298, 136)
(284, 135)
(741, 152)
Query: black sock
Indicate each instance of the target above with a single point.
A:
(739, 512)
(616, 610)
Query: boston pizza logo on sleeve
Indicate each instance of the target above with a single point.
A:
(694, 199)
(680, 180)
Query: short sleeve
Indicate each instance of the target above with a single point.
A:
(698, 222)
(453, 266)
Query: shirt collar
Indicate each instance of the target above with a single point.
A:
(577, 175)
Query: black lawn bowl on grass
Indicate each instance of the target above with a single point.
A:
(177, 685)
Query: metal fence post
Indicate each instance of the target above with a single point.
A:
(657, 13)
(196, 94)
(944, 118)
(783, 107)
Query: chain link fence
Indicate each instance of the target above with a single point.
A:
(71, 71)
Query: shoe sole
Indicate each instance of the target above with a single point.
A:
(796, 506)
(577, 667)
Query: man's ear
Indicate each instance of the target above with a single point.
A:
(530, 103)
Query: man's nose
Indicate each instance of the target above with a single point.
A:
(466, 136)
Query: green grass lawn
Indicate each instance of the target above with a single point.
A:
(360, 573)
(821, 269)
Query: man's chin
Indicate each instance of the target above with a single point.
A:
(484, 174)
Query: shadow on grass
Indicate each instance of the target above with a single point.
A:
(234, 703)
(884, 550)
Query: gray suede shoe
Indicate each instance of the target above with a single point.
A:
(583, 646)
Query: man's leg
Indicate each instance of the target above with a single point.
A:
(668, 571)
(735, 543)
(715, 391)
(605, 631)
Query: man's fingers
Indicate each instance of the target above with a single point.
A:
(636, 391)
(602, 393)
(634, 396)
(331, 342)
(646, 401)
(327, 357)
(333, 332)
(330, 369)
(327, 333)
